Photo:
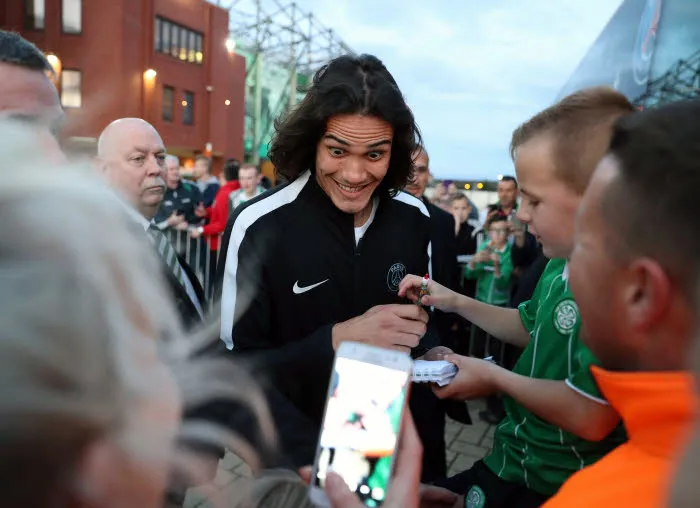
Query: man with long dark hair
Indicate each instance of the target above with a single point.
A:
(318, 261)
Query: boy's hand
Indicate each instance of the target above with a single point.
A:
(475, 378)
(482, 256)
(440, 297)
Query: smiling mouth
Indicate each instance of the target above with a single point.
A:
(351, 189)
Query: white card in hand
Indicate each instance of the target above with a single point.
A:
(440, 372)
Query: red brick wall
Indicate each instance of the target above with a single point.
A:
(114, 50)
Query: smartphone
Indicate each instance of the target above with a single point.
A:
(360, 432)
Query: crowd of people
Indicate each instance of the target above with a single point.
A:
(130, 365)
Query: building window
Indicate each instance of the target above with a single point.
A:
(188, 109)
(34, 14)
(158, 44)
(165, 31)
(178, 41)
(191, 45)
(72, 17)
(198, 50)
(71, 95)
(174, 40)
(168, 103)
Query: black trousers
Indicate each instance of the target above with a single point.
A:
(484, 489)
(429, 416)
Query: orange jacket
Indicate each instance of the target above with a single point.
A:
(658, 410)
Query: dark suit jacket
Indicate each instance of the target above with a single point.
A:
(185, 307)
(444, 246)
(445, 272)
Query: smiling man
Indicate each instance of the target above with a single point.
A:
(318, 261)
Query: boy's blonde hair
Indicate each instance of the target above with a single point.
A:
(581, 127)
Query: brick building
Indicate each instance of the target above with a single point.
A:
(162, 60)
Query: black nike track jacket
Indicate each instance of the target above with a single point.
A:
(290, 269)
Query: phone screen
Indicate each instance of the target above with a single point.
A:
(361, 427)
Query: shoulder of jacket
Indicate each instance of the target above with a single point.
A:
(267, 206)
(403, 198)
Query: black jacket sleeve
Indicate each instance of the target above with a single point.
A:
(246, 328)
(247, 296)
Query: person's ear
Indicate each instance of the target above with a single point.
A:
(99, 164)
(95, 473)
(647, 293)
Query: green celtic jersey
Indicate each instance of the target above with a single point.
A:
(528, 450)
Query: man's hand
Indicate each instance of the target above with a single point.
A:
(405, 490)
(183, 226)
(474, 379)
(438, 497)
(175, 219)
(194, 233)
(436, 354)
(440, 297)
(389, 326)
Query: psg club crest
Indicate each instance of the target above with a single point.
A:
(394, 277)
(645, 41)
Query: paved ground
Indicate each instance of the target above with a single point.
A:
(465, 445)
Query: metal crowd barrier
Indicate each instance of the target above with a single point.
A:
(199, 255)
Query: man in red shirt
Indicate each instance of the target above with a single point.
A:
(217, 214)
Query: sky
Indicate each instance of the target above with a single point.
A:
(471, 70)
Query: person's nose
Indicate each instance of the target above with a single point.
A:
(354, 171)
(523, 214)
(154, 167)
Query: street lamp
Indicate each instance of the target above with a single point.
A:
(230, 45)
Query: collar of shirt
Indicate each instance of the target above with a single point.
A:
(657, 408)
(133, 214)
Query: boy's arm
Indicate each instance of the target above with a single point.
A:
(506, 270)
(473, 270)
(504, 324)
(559, 404)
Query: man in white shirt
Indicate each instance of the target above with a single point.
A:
(249, 178)
(131, 157)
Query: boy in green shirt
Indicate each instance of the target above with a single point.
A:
(556, 420)
(492, 266)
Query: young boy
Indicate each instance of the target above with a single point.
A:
(557, 422)
(634, 273)
(491, 266)
(460, 208)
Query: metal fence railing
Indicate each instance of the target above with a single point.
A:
(201, 254)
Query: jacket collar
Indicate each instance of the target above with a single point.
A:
(657, 408)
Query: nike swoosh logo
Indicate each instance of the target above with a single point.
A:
(299, 290)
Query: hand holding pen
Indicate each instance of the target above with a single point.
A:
(438, 296)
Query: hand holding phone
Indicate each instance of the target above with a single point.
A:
(405, 484)
(360, 432)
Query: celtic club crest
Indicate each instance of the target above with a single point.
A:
(565, 316)
(475, 498)
(394, 277)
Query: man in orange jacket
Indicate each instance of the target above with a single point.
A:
(634, 274)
